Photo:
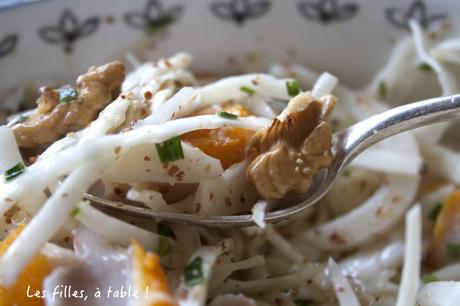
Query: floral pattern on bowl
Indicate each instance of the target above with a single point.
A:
(68, 30)
(59, 39)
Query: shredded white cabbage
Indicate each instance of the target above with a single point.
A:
(442, 160)
(9, 150)
(195, 295)
(389, 162)
(448, 273)
(439, 294)
(446, 79)
(378, 214)
(114, 229)
(55, 213)
(258, 213)
(412, 258)
(261, 84)
(342, 287)
(324, 85)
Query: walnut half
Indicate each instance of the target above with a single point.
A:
(293, 148)
(54, 118)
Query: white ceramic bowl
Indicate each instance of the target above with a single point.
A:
(57, 39)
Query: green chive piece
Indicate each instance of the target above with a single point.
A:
(425, 67)
(247, 90)
(75, 211)
(164, 230)
(14, 172)
(164, 247)
(434, 211)
(292, 88)
(193, 273)
(170, 150)
(303, 302)
(453, 250)
(227, 115)
(429, 278)
(382, 90)
(67, 94)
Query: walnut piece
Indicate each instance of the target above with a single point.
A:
(288, 153)
(53, 118)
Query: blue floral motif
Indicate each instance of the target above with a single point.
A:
(8, 44)
(327, 11)
(417, 11)
(154, 16)
(239, 11)
(68, 30)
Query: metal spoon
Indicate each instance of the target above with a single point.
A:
(346, 146)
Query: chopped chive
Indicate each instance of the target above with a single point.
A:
(425, 67)
(227, 115)
(164, 247)
(292, 88)
(382, 90)
(67, 94)
(247, 90)
(453, 250)
(193, 273)
(303, 302)
(170, 150)
(75, 211)
(434, 211)
(14, 172)
(164, 230)
(429, 278)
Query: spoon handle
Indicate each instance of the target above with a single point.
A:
(364, 134)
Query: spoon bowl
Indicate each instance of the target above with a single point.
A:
(345, 147)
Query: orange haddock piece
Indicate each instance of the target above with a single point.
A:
(149, 279)
(32, 275)
(446, 227)
(227, 144)
(448, 218)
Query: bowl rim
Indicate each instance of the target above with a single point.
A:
(12, 4)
